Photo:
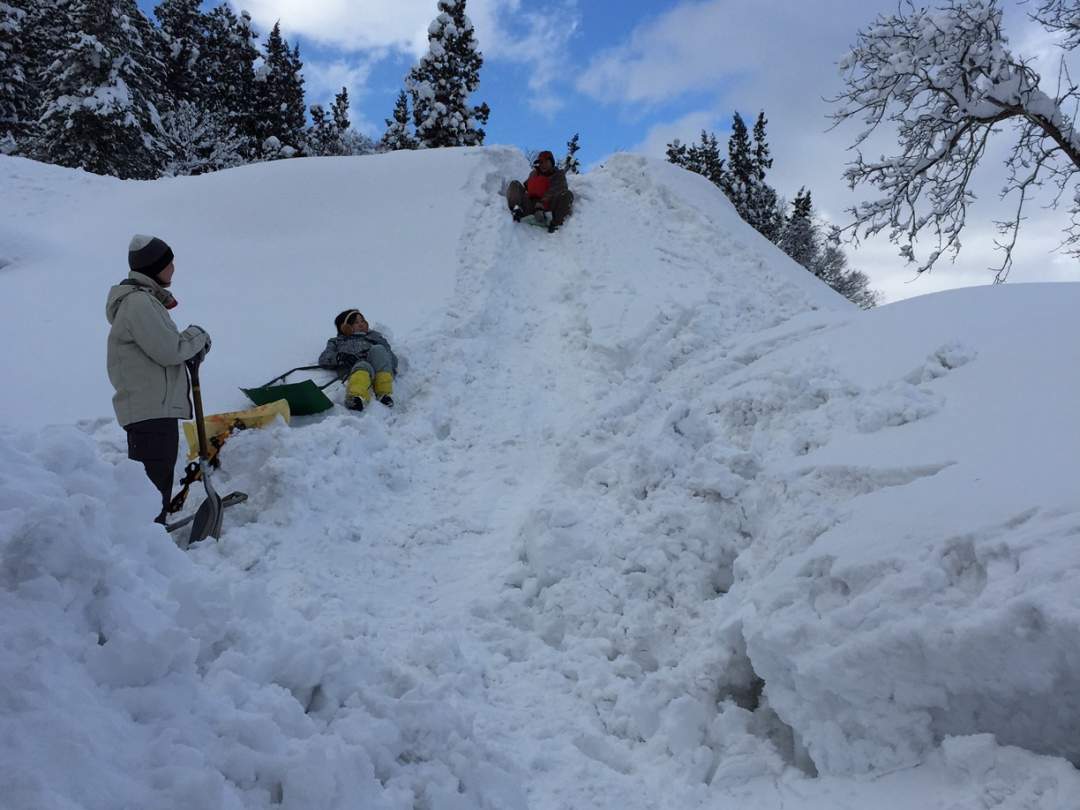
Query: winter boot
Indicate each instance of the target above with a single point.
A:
(384, 387)
(517, 213)
(358, 390)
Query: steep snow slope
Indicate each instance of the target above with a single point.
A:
(660, 521)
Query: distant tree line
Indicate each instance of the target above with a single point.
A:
(795, 229)
(96, 85)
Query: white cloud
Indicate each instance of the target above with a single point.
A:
(686, 129)
(507, 30)
(542, 47)
(347, 24)
(781, 57)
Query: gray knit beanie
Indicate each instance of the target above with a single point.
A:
(148, 255)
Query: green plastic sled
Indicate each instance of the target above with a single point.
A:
(304, 398)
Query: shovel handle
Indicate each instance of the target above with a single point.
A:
(196, 395)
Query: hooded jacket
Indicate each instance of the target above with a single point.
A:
(146, 352)
(546, 187)
(357, 345)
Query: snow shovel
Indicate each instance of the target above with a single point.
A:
(207, 522)
(304, 398)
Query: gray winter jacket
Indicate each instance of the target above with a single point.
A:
(357, 345)
(146, 352)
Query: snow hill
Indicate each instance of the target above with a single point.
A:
(659, 522)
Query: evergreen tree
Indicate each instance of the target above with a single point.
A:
(15, 67)
(744, 179)
(703, 158)
(799, 239)
(229, 72)
(200, 141)
(324, 138)
(740, 175)
(831, 267)
(103, 90)
(340, 111)
(280, 98)
(357, 143)
(331, 134)
(45, 32)
(764, 207)
(441, 83)
(183, 28)
(397, 134)
(571, 165)
(348, 140)
(678, 153)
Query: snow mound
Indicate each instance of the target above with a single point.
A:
(658, 519)
(130, 672)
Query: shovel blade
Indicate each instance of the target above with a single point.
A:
(207, 522)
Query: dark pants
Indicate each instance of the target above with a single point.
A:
(560, 206)
(155, 442)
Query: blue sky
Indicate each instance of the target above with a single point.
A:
(632, 75)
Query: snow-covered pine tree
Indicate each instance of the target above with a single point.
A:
(280, 99)
(703, 158)
(440, 85)
(323, 137)
(570, 164)
(200, 141)
(356, 143)
(351, 142)
(102, 92)
(229, 70)
(740, 176)
(397, 135)
(340, 111)
(678, 153)
(183, 28)
(831, 267)
(295, 107)
(764, 208)
(800, 237)
(330, 133)
(15, 68)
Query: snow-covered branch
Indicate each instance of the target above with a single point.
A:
(946, 80)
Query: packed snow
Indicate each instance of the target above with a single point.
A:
(659, 520)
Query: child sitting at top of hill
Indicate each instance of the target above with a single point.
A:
(367, 357)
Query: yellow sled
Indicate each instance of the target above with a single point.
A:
(220, 425)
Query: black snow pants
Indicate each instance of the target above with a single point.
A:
(561, 206)
(155, 442)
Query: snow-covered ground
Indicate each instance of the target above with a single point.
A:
(659, 521)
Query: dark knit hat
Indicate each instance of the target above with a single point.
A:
(148, 255)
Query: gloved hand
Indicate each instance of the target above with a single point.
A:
(199, 355)
(346, 359)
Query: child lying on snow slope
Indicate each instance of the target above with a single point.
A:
(367, 355)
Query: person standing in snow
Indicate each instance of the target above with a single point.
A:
(365, 355)
(146, 357)
(544, 190)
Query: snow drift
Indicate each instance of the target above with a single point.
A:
(659, 519)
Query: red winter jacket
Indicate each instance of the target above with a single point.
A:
(537, 185)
